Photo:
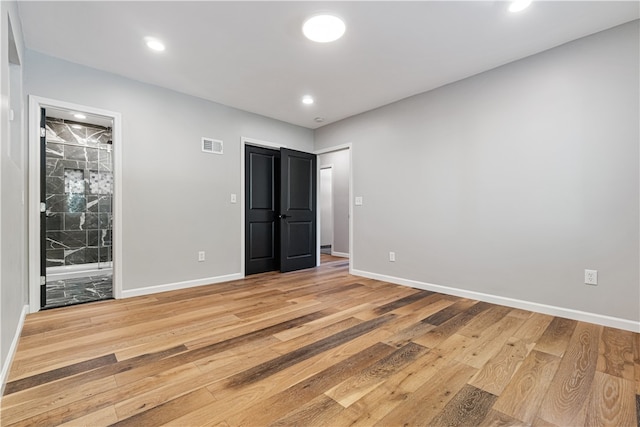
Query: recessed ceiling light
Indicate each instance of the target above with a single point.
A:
(307, 99)
(323, 28)
(519, 5)
(79, 116)
(154, 44)
(319, 119)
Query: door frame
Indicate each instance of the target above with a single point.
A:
(347, 146)
(35, 104)
(258, 143)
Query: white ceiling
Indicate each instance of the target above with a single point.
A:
(253, 56)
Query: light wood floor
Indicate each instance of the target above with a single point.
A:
(318, 347)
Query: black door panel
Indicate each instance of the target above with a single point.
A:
(298, 210)
(262, 200)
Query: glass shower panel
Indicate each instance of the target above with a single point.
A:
(101, 189)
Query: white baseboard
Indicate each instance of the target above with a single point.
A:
(6, 364)
(583, 316)
(126, 293)
(340, 254)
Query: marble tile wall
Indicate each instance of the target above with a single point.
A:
(79, 188)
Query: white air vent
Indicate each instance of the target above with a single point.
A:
(211, 146)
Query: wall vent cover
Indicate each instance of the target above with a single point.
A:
(210, 145)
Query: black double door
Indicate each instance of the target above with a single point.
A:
(280, 210)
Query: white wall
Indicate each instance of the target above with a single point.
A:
(326, 206)
(510, 183)
(13, 186)
(340, 177)
(176, 199)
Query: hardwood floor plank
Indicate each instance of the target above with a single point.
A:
(533, 328)
(226, 361)
(84, 345)
(295, 396)
(520, 314)
(611, 402)
(340, 289)
(484, 345)
(263, 307)
(402, 302)
(57, 391)
(358, 385)
(498, 419)
(319, 412)
(193, 355)
(468, 407)
(56, 374)
(539, 422)
(299, 378)
(267, 369)
(420, 306)
(442, 316)
(173, 337)
(522, 397)
(36, 328)
(496, 374)
(555, 338)
(322, 322)
(393, 391)
(316, 335)
(616, 353)
(406, 335)
(378, 297)
(169, 410)
(130, 327)
(565, 398)
(421, 406)
(55, 408)
(170, 386)
(484, 321)
(306, 312)
(452, 325)
(231, 402)
(103, 417)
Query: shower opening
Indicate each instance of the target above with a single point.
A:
(76, 210)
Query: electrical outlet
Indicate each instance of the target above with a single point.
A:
(392, 256)
(591, 277)
(200, 256)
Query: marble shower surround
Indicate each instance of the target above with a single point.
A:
(75, 291)
(79, 188)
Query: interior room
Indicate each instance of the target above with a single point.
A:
(413, 213)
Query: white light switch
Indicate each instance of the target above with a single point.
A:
(359, 201)
(234, 199)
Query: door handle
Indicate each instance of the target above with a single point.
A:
(284, 216)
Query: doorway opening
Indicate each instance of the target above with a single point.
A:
(326, 209)
(78, 198)
(74, 204)
(279, 207)
(334, 207)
